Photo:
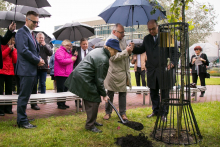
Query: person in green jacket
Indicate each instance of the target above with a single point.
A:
(87, 80)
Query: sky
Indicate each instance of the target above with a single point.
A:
(64, 11)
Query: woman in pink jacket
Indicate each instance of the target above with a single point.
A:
(63, 66)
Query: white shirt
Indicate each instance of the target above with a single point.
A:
(29, 29)
(138, 60)
(83, 52)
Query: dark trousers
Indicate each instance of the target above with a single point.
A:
(140, 74)
(17, 83)
(155, 98)
(202, 79)
(7, 81)
(91, 112)
(42, 75)
(26, 87)
(61, 87)
(121, 99)
(34, 91)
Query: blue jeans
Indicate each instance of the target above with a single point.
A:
(42, 82)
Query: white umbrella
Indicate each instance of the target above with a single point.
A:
(210, 50)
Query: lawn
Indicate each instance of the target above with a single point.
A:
(211, 81)
(69, 130)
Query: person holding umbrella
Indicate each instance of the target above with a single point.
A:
(90, 75)
(4, 40)
(9, 53)
(118, 76)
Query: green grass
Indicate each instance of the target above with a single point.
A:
(69, 130)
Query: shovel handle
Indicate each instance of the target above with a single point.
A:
(116, 111)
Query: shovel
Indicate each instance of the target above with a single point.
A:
(134, 125)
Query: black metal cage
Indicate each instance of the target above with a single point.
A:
(176, 122)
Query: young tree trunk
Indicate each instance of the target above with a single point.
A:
(183, 59)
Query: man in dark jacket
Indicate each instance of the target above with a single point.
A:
(4, 40)
(83, 50)
(157, 71)
(87, 80)
(45, 51)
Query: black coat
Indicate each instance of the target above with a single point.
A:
(3, 41)
(45, 51)
(202, 67)
(79, 58)
(156, 55)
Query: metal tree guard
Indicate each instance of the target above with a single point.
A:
(178, 124)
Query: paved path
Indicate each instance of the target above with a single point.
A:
(133, 101)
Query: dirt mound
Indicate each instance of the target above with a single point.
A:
(134, 141)
(134, 125)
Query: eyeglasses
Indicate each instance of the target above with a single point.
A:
(120, 32)
(153, 29)
(34, 22)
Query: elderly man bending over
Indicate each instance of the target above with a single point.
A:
(87, 80)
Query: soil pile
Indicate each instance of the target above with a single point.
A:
(134, 141)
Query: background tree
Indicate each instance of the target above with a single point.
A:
(4, 6)
(201, 18)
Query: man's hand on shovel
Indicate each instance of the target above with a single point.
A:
(106, 98)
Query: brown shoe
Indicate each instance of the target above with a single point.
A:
(107, 116)
(124, 117)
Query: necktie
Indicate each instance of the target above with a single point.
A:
(32, 34)
(84, 53)
(155, 38)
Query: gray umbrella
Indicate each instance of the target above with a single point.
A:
(24, 9)
(6, 17)
(99, 44)
(47, 38)
(74, 31)
(135, 41)
(31, 3)
(94, 41)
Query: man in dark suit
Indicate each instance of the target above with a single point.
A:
(4, 40)
(26, 68)
(156, 71)
(83, 50)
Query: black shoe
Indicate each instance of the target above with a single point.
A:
(2, 114)
(95, 130)
(67, 106)
(201, 95)
(27, 126)
(98, 124)
(9, 112)
(164, 118)
(62, 107)
(35, 107)
(151, 115)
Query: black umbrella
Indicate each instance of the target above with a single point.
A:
(6, 17)
(31, 3)
(24, 9)
(74, 31)
(48, 39)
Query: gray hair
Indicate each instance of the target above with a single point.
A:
(40, 33)
(115, 26)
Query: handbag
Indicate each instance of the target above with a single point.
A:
(207, 75)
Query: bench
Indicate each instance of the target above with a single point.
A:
(43, 98)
